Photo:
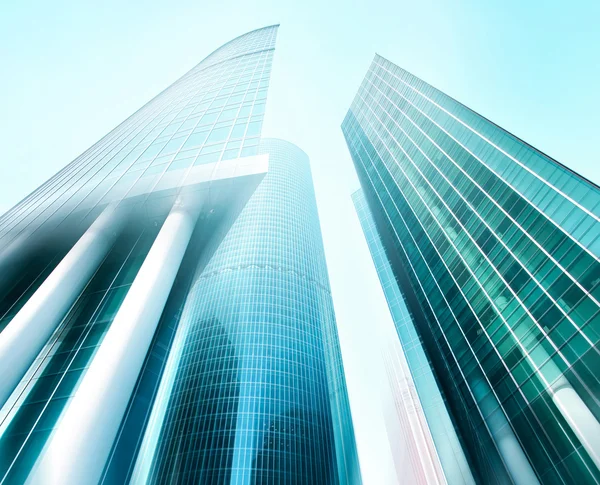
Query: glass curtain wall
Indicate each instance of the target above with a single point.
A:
(496, 246)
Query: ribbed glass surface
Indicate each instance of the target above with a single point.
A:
(254, 391)
(496, 247)
(448, 447)
(212, 113)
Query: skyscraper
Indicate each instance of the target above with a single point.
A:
(437, 421)
(495, 247)
(166, 313)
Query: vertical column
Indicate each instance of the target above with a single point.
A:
(27, 333)
(576, 412)
(510, 449)
(578, 415)
(77, 453)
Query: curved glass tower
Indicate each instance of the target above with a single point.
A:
(496, 248)
(165, 313)
(254, 349)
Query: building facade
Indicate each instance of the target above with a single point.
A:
(165, 306)
(495, 247)
(427, 427)
(259, 314)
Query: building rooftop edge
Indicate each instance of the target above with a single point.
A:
(585, 179)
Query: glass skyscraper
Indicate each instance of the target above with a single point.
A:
(253, 349)
(165, 312)
(495, 247)
(456, 470)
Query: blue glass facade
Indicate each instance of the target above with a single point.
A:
(212, 113)
(54, 376)
(495, 247)
(257, 393)
(242, 378)
(449, 449)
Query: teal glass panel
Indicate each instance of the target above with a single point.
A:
(496, 247)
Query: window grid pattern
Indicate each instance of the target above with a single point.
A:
(259, 394)
(212, 113)
(58, 370)
(121, 463)
(275, 336)
(448, 446)
(506, 270)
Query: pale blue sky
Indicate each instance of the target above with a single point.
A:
(73, 70)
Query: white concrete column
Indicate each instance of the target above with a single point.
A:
(581, 420)
(510, 449)
(578, 415)
(29, 330)
(79, 448)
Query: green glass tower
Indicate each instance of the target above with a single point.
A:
(495, 247)
(452, 458)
